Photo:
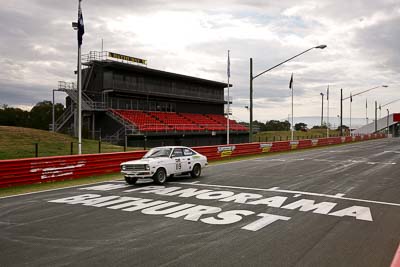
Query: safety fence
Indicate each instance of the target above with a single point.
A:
(37, 170)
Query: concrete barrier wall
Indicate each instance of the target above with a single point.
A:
(38, 170)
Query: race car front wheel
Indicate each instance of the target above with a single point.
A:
(196, 171)
(130, 180)
(160, 176)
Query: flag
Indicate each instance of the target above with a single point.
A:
(81, 27)
(351, 97)
(327, 93)
(366, 103)
(291, 82)
(228, 71)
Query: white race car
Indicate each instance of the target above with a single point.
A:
(162, 162)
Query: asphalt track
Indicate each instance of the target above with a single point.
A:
(349, 215)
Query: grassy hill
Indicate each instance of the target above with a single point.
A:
(19, 142)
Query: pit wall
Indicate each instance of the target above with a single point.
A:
(37, 170)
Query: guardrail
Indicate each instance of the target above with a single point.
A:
(38, 170)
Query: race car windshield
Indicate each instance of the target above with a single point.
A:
(158, 152)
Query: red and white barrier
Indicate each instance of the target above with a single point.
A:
(38, 170)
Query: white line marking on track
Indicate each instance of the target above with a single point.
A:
(276, 189)
(391, 151)
(194, 182)
(339, 195)
(49, 190)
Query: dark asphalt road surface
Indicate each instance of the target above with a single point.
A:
(336, 206)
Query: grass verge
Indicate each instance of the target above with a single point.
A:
(19, 142)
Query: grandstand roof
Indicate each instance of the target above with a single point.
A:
(159, 73)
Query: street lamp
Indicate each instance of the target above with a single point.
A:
(253, 77)
(351, 100)
(322, 110)
(391, 102)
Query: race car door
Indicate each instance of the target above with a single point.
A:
(189, 157)
(180, 161)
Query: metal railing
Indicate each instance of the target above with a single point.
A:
(104, 56)
(87, 102)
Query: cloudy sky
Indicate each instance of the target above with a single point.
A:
(38, 48)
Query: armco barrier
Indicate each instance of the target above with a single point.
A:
(37, 170)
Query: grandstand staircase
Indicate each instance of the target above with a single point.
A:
(381, 125)
(87, 103)
(127, 128)
(63, 119)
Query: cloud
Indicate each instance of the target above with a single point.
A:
(38, 46)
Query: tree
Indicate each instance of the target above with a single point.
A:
(299, 126)
(41, 114)
(319, 126)
(10, 116)
(39, 117)
(274, 125)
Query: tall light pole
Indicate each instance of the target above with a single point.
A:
(391, 102)
(351, 100)
(253, 77)
(322, 109)
(327, 112)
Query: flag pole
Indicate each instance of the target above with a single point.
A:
(227, 117)
(80, 32)
(79, 102)
(351, 100)
(292, 116)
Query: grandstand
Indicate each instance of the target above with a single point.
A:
(125, 101)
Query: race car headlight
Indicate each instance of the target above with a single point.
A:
(123, 167)
(147, 167)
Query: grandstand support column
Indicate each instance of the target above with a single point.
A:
(125, 138)
(75, 108)
(93, 126)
